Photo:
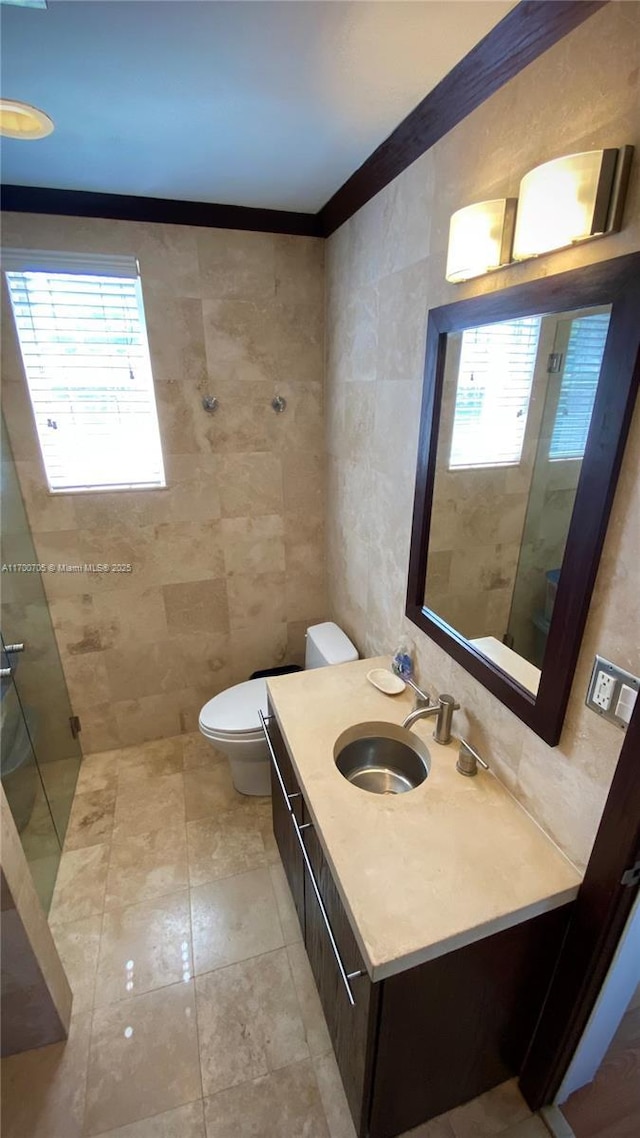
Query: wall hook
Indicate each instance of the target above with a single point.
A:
(210, 403)
(279, 404)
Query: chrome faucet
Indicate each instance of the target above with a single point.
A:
(444, 709)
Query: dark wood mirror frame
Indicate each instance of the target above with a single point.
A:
(615, 282)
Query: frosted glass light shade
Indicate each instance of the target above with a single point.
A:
(21, 120)
(564, 201)
(480, 238)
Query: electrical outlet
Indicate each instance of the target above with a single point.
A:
(603, 691)
(612, 692)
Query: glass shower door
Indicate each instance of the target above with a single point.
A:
(25, 791)
(40, 755)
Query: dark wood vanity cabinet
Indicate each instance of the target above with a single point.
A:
(351, 1026)
(427, 1039)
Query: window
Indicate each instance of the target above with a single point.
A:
(579, 384)
(495, 376)
(80, 323)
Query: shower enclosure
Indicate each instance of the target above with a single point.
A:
(40, 755)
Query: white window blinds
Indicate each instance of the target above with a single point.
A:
(80, 323)
(497, 363)
(579, 384)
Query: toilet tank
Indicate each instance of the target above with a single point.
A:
(328, 644)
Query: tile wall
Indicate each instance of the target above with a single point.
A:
(228, 561)
(385, 269)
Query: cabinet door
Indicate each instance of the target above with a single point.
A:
(281, 807)
(350, 1027)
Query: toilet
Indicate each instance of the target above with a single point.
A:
(231, 720)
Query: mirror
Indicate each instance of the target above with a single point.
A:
(527, 400)
(516, 408)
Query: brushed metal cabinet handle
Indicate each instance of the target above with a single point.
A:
(332, 940)
(264, 719)
(344, 976)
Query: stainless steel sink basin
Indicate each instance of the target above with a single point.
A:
(382, 758)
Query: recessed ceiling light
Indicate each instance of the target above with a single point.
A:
(21, 120)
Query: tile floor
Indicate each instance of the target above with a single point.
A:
(195, 1013)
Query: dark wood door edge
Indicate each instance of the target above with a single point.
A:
(123, 207)
(526, 32)
(599, 916)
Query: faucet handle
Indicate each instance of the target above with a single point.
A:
(422, 699)
(468, 760)
(449, 701)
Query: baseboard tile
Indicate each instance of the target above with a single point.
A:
(556, 1122)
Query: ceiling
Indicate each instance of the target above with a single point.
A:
(270, 104)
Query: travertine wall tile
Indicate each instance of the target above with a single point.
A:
(251, 485)
(198, 606)
(253, 545)
(385, 269)
(254, 598)
(240, 316)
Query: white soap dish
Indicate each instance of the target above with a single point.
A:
(386, 681)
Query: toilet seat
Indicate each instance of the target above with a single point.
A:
(229, 736)
(234, 713)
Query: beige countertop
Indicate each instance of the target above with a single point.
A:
(421, 873)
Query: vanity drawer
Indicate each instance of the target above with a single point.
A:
(286, 804)
(280, 756)
(349, 999)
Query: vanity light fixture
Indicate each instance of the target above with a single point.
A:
(21, 120)
(571, 199)
(480, 238)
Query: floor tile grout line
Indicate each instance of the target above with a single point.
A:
(146, 1118)
(158, 987)
(195, 975)
(86, 1071)
(97, 968)
(195, 1005)
(242, 960)
(119, 841)
(227, 876)
(95, 979)
(314, 1071)
(136, 746)
(297, 999)
(115, 837)
(280, 923)
(146, 900)
(141, 995)
(97, 912)
(270, 1071)
(155, 896)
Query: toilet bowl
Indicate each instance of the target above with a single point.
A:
(231, 720)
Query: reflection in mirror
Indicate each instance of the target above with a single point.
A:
(516, 407)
